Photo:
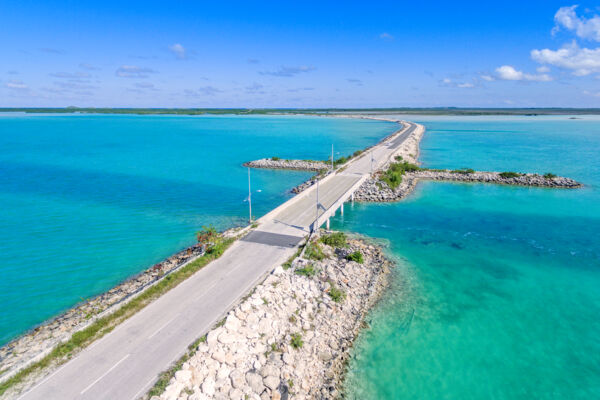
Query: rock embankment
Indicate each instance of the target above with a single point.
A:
(497, 178)
(375, 190)
(302, 165)
(39, 341)
(289, 338)
(409, 151)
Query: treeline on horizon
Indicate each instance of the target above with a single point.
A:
(309, 111)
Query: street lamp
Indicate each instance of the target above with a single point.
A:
(332, 156)
(249, 196)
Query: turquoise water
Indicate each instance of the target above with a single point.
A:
(497, 290)
(89, 200)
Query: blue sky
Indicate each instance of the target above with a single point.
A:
(299, 54)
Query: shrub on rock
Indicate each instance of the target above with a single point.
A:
(355, 256)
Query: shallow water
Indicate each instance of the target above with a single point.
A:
(89, 200)
(497, 290)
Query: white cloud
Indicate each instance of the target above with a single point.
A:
(487, 78)
(17, 85)
(132, 71)
(450, 83)
(542, 70)
(202, 91)
(355, 81)
(594, 94)
(509, 73)
(386, 36)
(288, 72)
(87, 66)
(178, 50)
(582, 61)
(70, 75)
(255, 88)
(567, 18)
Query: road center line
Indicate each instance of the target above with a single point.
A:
(106, 373)
(162, 327)
(208, 290)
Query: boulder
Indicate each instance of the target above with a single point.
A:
(255, 382)
(208, 386)
(237, 379)
(271, 382)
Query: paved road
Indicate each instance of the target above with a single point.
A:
(125, 363)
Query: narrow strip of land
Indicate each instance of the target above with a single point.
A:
(126, 362)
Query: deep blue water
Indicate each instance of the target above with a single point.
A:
(89, 200)
(497, 290)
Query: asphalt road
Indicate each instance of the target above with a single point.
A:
(126, 362)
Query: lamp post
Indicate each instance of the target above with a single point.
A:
(317, 220)
(249, 196)
(332, 156)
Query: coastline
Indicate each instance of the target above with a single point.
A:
(82, 315)
(291, 336)
(36, 344)
(38, 341)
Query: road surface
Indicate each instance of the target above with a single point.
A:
(125, 363)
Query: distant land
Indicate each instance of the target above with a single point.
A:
(320, 111)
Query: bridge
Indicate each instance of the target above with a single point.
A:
(125, 363)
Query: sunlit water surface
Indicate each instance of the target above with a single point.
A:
(89, 200)
(497, 290)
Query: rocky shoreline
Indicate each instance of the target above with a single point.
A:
(253, 352)
(291, 336)
(300, 165)
(375, 190)
(497, 178)
(40, 340)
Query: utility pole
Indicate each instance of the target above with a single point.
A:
(317, 220)
(249, 196)
(332, 156)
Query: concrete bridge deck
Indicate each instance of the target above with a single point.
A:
(125, 363)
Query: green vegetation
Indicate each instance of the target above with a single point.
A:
(275, 158)
(393, 175)
(275, 348)
(356, 256)
(336, 239)
(314, 252)
(286, 265)
(104, 325)
(296, 341)
(336, 294)
(509, 174)
(549, 175)
(343, 160)
(210, 240)
(319, 111)
(307, 271)
(165, 377)
(464, 171)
